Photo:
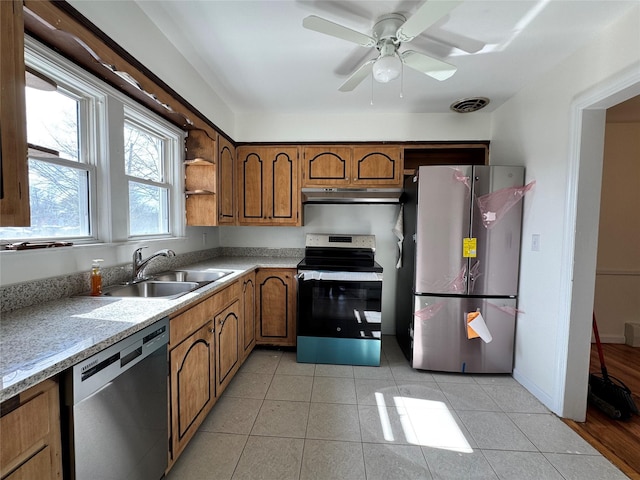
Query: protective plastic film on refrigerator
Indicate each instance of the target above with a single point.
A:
(457, 286)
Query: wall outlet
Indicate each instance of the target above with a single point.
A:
(535, 242)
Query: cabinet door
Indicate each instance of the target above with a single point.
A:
(226, 182)
(326, 166)
(30, 445)
(227, 325)
(282, 194)
(192, 385)
(268, 186)
(38, 466)
(14, 182)
(275, 306)
(248, 340)
(377, 166)
(251, 208)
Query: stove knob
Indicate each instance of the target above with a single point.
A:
(339, 329)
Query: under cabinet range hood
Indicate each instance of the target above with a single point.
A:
(351, 195)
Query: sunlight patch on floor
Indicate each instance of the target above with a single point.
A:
(427, 423)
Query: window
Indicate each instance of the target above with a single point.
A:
(94, 154)
(144, 158)
(60, 178)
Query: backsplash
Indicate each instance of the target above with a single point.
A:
(24, 294)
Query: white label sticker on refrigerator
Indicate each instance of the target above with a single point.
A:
(469, 247)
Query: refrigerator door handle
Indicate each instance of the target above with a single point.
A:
(474, 274)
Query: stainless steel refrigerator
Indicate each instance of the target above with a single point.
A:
(459, 263)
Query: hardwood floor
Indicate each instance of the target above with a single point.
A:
(619, 441)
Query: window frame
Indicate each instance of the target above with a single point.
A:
(102, 111)
(172, 164)
(74, 83)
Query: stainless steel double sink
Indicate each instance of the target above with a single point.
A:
(167, 285)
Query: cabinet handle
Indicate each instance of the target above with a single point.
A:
(212, 330)
(222, 320)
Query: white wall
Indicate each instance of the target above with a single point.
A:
(542, 129)
(365, 127)
(130, 28)
(27, 265)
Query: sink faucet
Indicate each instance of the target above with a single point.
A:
(139, 265)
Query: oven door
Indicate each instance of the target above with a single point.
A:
(339, 304)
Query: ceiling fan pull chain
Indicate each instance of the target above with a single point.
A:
(401, 78)
(371, 90)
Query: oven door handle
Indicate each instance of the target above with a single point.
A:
(324, 276)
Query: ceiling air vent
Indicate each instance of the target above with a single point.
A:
(468, 105)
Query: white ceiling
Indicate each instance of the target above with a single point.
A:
(258, 57)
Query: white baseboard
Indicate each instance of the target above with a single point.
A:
(610, 339)
(541, 395)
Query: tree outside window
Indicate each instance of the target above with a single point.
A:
(148, 189)
(58, 176)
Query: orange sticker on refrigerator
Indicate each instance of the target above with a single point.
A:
(476, 327)
(469, 246)
(471, 333)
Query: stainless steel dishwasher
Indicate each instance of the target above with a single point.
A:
(116, 403)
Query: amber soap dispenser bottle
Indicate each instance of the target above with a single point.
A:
(96, 277)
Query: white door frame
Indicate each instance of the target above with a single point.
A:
(580, 239)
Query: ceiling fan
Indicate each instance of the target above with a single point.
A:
(389, 32)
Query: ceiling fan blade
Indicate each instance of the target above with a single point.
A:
(466, 44)
(358, 76)
(428, 14)
(429, 66)
(329, 28)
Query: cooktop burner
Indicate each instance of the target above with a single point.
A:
(353, 253)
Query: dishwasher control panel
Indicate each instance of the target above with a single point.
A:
(94, 372)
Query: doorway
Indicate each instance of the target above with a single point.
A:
(579, 262)
(618, 262)
(617, 283)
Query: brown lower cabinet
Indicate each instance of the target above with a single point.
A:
(228, 344)
(30, 434)
(276, 306)
(248, 306)
(204, 354)
(208, 342)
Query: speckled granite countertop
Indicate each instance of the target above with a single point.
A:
(40, 341)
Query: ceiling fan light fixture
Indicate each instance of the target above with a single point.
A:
(387, 68)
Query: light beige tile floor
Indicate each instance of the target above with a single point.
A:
(281, 420)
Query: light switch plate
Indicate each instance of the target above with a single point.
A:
(535, 242)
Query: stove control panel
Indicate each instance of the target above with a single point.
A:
(367, 242)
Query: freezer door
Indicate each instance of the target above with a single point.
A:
(494, 271)
(443, 220)
(440, 335)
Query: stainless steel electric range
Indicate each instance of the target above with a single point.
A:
(339, 301)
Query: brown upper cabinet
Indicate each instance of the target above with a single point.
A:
(268, 188)
(209, 180)
(200, 176)
(226, 182)
(14, 184)
(360, 166)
